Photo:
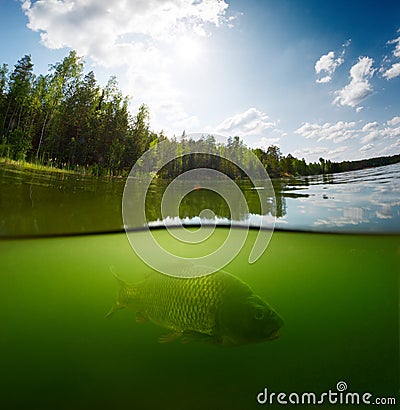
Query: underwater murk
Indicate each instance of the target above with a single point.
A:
(315, 310)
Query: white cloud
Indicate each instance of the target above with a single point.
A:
(384, 134)
(71, 21)
(359, 87)
(392, 72)
(248, 123)
(366, 147)
(372, 137)
(327, 64)
(362, 70)
(336, 153)
(396, 41)
(313, 153)
(370, 126)
(338, 132)
(390, 149)
(394, 121)
(264, 143)
(324, 80)
(310, 153)
(146, 38)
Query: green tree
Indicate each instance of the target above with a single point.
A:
(54, 88)
(139, 137)
(16, 123)
(322, 162)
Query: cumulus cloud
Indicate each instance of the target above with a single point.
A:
(71, 21)
(359, 87)
(265, 142)
(327, 65)
(370, 126)
(396, 51)
(372, 136)
(142, 37)
(380, 139)
(392, 72)
(382, 134)
(338, 132)
(310, 152)
(390, 149)
(394, 121)
(313, 154)
(388, 133)
(248, 123)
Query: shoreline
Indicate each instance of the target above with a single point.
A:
(34, 166)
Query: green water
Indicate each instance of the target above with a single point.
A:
(338, 295)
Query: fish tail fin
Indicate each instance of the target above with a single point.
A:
(120, 300)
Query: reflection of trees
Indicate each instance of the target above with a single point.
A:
(34, 202)
(280, 206)
(327, 178)
(199, 199)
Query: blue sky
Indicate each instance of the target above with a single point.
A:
(315, 78)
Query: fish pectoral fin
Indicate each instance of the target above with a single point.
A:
(227, 341)
(141, 318)
(117, 306)
(170, 337)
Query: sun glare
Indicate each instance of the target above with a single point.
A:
(188, 50)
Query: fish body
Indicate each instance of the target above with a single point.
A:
(218, 307)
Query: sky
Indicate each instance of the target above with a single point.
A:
(317, 79)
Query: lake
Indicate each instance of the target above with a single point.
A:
(41, 203)
(331, 271)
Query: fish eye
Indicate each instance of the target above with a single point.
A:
(259, 313)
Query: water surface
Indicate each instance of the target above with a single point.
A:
(34, 202)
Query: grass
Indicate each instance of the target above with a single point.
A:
(34, 166)
(79, 170)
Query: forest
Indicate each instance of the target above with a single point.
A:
(65, 119)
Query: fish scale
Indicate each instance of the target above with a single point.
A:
(180, 304)
(219, 307)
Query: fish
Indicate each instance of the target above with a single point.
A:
(218, 308)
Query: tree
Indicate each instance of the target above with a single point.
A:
(287, 165)
(322, 162)
(273, 157)
(139, 136)
(3, 92)
(63, 83)
(16, 124)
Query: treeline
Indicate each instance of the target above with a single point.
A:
(364, 163)
(66, 120)
(279, 165)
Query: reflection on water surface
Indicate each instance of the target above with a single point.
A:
(35, 202)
